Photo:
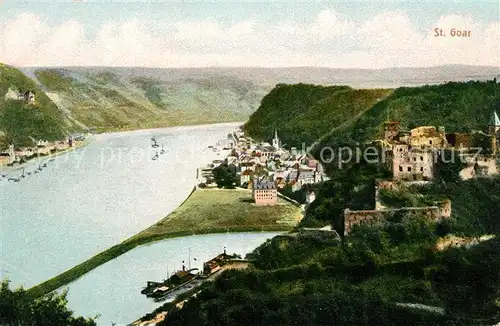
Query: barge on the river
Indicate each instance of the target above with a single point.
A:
(182, 278)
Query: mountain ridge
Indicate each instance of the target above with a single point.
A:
(304, 113)
(128, 98)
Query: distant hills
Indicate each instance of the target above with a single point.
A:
(114, 98)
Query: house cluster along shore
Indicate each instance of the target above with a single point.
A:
(13, 155)
(264, 167)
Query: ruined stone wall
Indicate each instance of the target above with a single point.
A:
(412, 165)
(486, 166)
(352, 218)
(427, 136)
(424, 131)
(459, 140)
(391, 130)
(444, 208)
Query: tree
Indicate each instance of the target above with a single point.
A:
(449, 163)
(18, 308)
(224, 177)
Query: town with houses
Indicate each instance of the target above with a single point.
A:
(265, 168)
(13, 155)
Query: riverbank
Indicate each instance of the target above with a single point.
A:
(37, 158)
(173, 127)
(205, 211)
(161, 312)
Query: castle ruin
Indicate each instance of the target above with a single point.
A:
(437, 212)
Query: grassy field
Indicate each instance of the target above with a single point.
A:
(205, 211)
(225, 210)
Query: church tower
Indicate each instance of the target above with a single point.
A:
(276, 140)
(494, 126)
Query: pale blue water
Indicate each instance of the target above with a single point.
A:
(113, 289)
(90, 199)
(85, 201)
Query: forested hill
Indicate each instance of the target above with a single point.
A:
(18, 120)
(304, 112)
(342, 115)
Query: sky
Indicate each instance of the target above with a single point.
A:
(337, 34)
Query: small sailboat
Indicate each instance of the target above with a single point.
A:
(45, 164)
(155, 157)
(155, 145)
(162, 150)
(23, 175)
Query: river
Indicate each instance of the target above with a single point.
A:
(89, 199)
(113, 290)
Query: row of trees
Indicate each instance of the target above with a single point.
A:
(17, 308)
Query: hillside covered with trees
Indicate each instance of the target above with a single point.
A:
(19, 120)
(409, 271)
(340, 115)
(391, 275)
(304, 112)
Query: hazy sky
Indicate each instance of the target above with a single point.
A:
(340, 34)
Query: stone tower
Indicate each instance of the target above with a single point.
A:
(276, 140)
(391, 130)
(493, 129)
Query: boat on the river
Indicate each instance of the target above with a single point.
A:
(181, 278)
(215, 264)
(155, 144)
(184, 278)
